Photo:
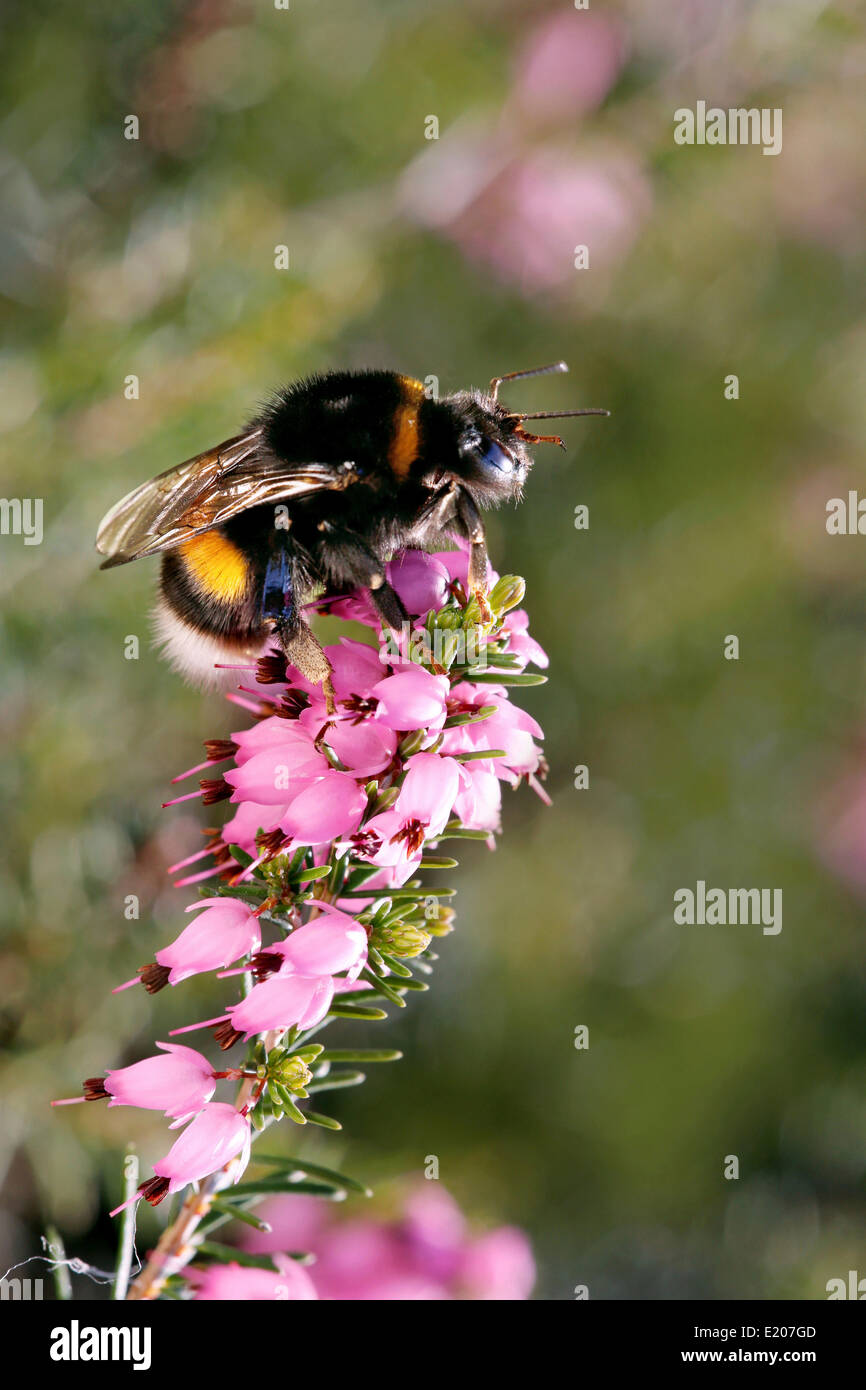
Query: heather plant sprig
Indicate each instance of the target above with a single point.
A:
(315, 903)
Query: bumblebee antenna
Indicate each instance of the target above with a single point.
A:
(518, 376)
(558, 414)
(521, 433)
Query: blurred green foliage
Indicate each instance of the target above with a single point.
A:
(155, 257)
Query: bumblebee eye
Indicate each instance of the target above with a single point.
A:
(495, 456)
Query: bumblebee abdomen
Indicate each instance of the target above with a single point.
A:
(216, 566)
(209, 609)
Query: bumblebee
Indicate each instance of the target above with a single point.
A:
(334, 475)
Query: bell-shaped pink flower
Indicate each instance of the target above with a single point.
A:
(456, 563)
(428, 791)
(249, 818)
(225, 931)
(357, 667)
(392, 842)
(510, 729)
(179, 1082)
(328, 809)
(325, 946)
(282, 1001)
(279, 771)
(479, 801)
(420, 580)
(238, 1283)
(516, 624)
(412, 699)
(217, 1134)
(263, 735)
(365, 747)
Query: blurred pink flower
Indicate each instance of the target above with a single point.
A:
(498, 1265)
(568, 65)
(841, 832)
(534, 214)
(517, 626)
(232, 1282)
(426, 1255)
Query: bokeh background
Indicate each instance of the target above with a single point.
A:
(455, 258)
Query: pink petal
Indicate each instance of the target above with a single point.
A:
(329, 809)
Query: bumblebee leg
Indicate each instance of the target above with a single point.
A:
(470, 526)
(304, 650)
(351, 561)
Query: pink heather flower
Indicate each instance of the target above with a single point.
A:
(324, 946)
(421, 581)
(389, 841)
(395, 838)
(328, 809)
(428, 791)
(282, 1001)
(516, 624)
(225, 931)
(412, 699)
(365, 748)
(456, 562)
(479, 800)
(357, 666)
(274, 776)
(180, 1082)
(248, 819)
(259, 738)
(510, 728)
(234, 1282)
(390, 1272)
(218, 1133)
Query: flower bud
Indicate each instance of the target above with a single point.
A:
(439, 920)
(506, 593)
(291, 1072)
(401, 939)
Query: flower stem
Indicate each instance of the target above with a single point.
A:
(126, 1247)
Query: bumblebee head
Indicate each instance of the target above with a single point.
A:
(489, 444)
(482, 447)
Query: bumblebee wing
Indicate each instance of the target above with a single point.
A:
(202, 493)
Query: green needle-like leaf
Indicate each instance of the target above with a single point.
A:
(370, 1054)
(316, 1170)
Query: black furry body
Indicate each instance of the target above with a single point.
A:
(332, 477)
(419, 477)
